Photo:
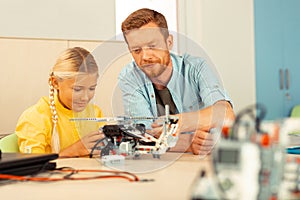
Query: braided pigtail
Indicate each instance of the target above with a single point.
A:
(55, 144)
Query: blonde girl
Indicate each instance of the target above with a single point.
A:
(46, 127)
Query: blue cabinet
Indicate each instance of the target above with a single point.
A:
(277, 55)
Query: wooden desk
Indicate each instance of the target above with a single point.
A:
(173, 181)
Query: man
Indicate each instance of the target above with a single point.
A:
(157, 78)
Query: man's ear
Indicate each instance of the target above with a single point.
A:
(170, 42)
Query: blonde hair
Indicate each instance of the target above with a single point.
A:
(72, 62)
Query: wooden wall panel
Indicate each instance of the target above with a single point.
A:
(25, 66)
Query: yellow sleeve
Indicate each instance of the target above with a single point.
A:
(34, 131)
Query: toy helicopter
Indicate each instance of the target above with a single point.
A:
(130, 139)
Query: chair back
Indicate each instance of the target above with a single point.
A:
(9, 143)
(295, 111)
(295, 114)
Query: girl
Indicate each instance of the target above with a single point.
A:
(46, 127)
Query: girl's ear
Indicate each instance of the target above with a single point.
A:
(170, 42)
(54, 82)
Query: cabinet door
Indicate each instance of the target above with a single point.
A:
(268, 55)
(277, 27)
(291, 46)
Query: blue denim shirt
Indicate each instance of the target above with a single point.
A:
(194, 85)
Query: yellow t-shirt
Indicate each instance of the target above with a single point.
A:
(34, 128)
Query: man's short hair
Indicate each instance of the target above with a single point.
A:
(142, 17)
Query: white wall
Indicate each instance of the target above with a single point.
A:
(225, 29)
(58, 19)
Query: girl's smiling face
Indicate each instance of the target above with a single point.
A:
(75, 93)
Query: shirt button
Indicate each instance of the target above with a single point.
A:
(152, 96)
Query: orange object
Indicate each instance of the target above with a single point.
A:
(265, 140)
(225, 131)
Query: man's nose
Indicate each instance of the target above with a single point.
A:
(146, 54)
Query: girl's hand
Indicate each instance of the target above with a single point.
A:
(84, 146)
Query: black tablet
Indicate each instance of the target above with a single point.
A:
(26, 164)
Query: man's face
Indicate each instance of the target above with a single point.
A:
(150, 49)
(76, 93)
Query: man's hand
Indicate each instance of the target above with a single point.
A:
(156, 130)
(202, 143)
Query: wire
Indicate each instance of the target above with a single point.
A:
(96, 145)
(109, 174)
(256, 112)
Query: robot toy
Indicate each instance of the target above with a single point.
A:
(129, 139)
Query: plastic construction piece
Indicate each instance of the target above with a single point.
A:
(111, 160)
(293, 150)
